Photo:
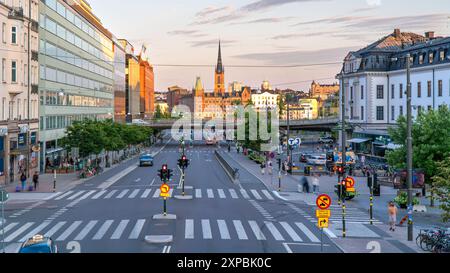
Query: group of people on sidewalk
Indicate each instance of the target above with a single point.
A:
(23, 180)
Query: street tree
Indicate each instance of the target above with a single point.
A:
(441, 187)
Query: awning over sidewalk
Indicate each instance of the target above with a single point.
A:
(358, 140)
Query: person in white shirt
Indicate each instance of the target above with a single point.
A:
(316, 183)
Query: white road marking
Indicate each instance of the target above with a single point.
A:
(76, 195)
(221, 193)
(329, 233)
(10, 226)
(108, 183)
(16, 233)
(134, 193)
(245, 194)
(110, 194)
(55, 229)
(84, 232)
(308, 233)
(87, 195)
(291, 232)
(103, 229)
(189, 229)
(122, 194)
(267, 194)
(98, 195)
(257, 231)
(198, 193)
(64, 195)
(68, 231)
(276, 234)
(137, 229)
(256, 194)
(157, 193)
(206, 228)
(233, 194)
(240, 230)
(210, 193)
(34, 231)
(146, 193)
(223, 229)
(120, 229)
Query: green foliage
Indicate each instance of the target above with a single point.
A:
(441, 187)
(431, 134)
(402, 199)
(93, 137)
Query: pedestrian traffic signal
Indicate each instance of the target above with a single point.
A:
(341, 191)
(341, 170)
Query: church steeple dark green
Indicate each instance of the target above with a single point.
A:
(219, 78)
(219, 67)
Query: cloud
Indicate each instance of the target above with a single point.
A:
(264, 4)
(332, 20)
(298, 57)
(304, 35)
(374, 3)
(211, 42)
(182, 32)
(365, 9)
(211, 10)
(265, 20)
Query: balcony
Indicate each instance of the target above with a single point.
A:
(34, 26)
(16, 13)
(34, 55)
(34, 89)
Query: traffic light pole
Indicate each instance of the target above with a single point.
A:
(182, 180)
(409, 147)
(371, 203)
(344, 154)
(279, 174)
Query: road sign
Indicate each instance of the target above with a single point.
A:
(298, 141)
(323, 213)
(165, 189)
(291, 142)
(4, 196)
(350, 182)
(323, 223)
(323, 201)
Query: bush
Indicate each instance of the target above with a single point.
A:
(402, 200)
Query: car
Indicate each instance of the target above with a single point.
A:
(317, 160)
(326, 140)
(146, 160)
(304, 157)
(38, 244)
(139, 122)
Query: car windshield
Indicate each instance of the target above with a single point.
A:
(36, 249)
(146, 157)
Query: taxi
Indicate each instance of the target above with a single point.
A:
(38, 244)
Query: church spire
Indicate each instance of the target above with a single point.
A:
(219, 68)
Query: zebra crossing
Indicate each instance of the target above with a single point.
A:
(127, 229)
(248, 230)
(222, 194)
(352, 215)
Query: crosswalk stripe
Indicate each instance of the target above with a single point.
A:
(69, 231)
(122, 194)
(137, 229)
(171, 192)
(198, 193)
(245, 194)
(34, 231)
(210, 193)
(221, 193)
(13, 235)
(146, 193)
(134, 193)
(84, 232)
(103, 229)
(64, 195)
(87, 194)
(291, 232)
(98, 195)
(308, 233)
(276, 234)
(233, 194)
(256, 194)
(267, 194)
(257, 231)
(110, 194)
(157, 193)
(76, 195)
(55, 229)
(189, 229)
(206, 228)
(120, 229)
(223, 229)
(9, 227)
(240, 230)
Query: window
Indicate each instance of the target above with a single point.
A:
(14, 35)
(4, 33)
(393, 113)
(430, 108)
(51, 4)
(400, 94)
(442, 55)
(440, 88)
(393, 91)
(421, 56)
(14, 71)
(401, 111)
(380, 92)
(419, 89)
(351, 113)
(419, 110)
(362, 112)
(4, 70)
(429, 88)
(380, 113)
(61, 9)
(61, 32)
(51, 25)
(431, 57)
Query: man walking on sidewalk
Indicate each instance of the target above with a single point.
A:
(315, 183)
(392, 210)
(23, 179)
(36, 180)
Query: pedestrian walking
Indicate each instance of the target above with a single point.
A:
(263, 168)
(270, 167)
(316, 183)
(305, 184)
(36, 180)
(286, 167)
(23, 179)
(392, 210)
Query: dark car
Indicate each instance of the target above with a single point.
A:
(146, 160)
(304, 158)
(39, 244)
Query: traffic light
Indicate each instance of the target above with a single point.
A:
(341, 190)
(340, 170)
(183, 162)
(164, 173)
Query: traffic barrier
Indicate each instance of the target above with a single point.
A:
(232, 172)
(404, 219)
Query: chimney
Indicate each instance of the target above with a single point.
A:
(397, 33)
(429, 34)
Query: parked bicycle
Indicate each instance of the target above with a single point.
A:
(434, 240)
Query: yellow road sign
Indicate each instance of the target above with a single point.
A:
(351, 189)
(323, 223)
(165, 190)
(323, 213)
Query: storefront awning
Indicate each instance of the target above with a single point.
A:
(52, 151)
(393, 146)
(358, 140)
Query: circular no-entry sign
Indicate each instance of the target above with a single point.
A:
(323, 201)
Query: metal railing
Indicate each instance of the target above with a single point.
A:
(232, 172)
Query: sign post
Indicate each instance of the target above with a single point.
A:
(3, 198)
(165, 189)
(323, 214)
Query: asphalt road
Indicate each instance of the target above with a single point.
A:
(113, 213)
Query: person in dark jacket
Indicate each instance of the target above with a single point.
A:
(36, 180)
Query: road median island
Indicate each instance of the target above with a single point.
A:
(231, 171)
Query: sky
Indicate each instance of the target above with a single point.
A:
(262, 33)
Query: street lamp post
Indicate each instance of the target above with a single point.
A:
(409, 146)
(54, 180)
